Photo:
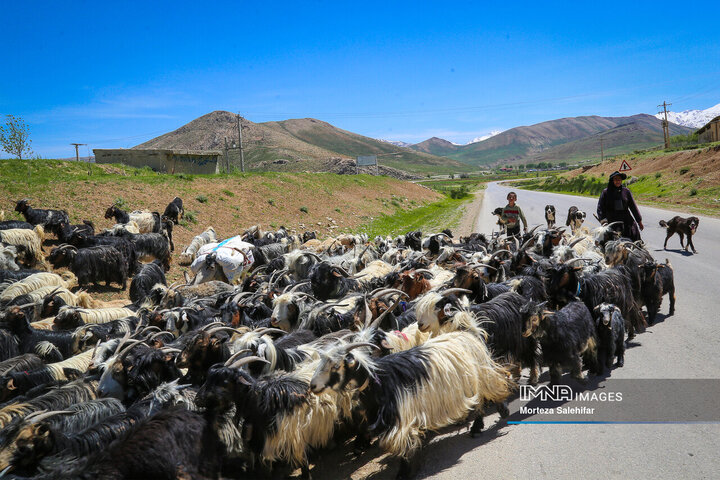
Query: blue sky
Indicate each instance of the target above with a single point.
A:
(115, 74)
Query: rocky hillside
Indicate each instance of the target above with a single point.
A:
(296, 145)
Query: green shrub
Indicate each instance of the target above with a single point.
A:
(190, 216)
(458, 192)
(304, 209)
(202, 198)
(271, 201)
(120, 203)
(228, 193)
(658, 175)
(693, 192)
(684, 170)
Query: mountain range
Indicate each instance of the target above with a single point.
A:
(309, 144)
(692, 118)
(565, 139)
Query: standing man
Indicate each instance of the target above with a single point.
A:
(617, 204)
(511, 216)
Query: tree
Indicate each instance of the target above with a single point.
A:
(15, 137)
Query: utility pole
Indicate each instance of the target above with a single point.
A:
(77, 155)
(602, 155)
(665, 125)
(227, 162)
(242, 157)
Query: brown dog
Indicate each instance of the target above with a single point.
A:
(681, 226)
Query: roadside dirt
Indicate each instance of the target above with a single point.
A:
(468, 223)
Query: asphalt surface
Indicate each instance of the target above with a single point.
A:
(684, 346)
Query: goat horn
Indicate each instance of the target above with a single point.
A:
(532, 230)
(385, 291)
(425, 270)
(311, 254)
(274, 330)
(484, 265)
(221, 329)
(353, 346)
(615, 223)
(375, 323)
(132, 344)
(298, 285)
(123, 340)
(157, 334)
(580, 259)
(42, 415)
(246, 360)
(450, 291)
(495, 254)
(575, 242)
(212, 324)
(149, 329)
(235, 355)
(170, 350)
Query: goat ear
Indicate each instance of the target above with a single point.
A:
(385, 344)
(11, 384)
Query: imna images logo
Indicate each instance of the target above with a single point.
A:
(553, 393)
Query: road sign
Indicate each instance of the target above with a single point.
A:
(625, 166)
(366, 160)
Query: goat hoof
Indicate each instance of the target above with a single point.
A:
(620, 362)
(503, 410)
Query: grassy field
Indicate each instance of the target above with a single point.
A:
(434, 217)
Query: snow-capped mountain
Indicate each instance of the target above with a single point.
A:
(397, 143)
(484, 137)
(692, 118)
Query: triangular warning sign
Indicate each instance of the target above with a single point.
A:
(625, 166)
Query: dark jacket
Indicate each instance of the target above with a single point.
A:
(617, 204)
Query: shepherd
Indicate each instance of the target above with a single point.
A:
(616, 204)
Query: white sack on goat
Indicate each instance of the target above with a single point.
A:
(232, 254)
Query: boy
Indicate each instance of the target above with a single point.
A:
(511, 216)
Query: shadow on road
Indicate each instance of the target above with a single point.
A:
(682, 252)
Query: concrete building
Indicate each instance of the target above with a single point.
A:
(710, 132)
(164, 161)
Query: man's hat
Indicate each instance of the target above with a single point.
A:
(616, 173)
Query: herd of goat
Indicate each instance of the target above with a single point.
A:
(314, 343)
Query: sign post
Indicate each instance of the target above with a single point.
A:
(625, 166)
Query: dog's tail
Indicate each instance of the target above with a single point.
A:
(669, 265)
(663, 223)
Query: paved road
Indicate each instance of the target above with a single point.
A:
(683, 346)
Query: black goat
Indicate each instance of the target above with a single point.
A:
(330, 281)
(92, 265)
(566, 337)
(135, 371)
(564, 283)
(610, 328)
(120, 216)
(175, 443)
(122, 244)
(66, 231)
(658, 280)
(49, 219)
(502, 320)
(28, 337)
(414, 240)
(145, 279)
(174, 211)
(154, 245)
(10, 224)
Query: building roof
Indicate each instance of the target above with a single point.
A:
(707, 125)
(161, 150)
